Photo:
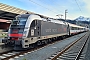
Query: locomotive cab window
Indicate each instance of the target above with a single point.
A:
(14, 22)
(22, 21)
(18, 25)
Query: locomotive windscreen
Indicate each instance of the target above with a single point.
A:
(17, 27)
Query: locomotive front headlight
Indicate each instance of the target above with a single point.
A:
(24, 34)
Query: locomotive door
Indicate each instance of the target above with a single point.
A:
(32, 32)
(35, 28)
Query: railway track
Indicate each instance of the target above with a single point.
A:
(75, 51)
(13, 54)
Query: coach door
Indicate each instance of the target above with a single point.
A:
(68, 29)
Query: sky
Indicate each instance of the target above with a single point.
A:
(51, 8)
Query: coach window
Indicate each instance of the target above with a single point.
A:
(79, 28)
(76, 28)
(72, 28)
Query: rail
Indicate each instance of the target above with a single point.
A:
(67, 48)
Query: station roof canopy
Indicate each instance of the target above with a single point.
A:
(9, 12)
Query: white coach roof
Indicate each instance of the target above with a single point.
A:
(73, 25)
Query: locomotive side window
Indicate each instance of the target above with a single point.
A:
(34, 23)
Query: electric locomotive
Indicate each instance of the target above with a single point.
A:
(29, 29)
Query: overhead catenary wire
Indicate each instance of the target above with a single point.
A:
(57, 9)
(51, 7)
(43, 6)
(78, 6)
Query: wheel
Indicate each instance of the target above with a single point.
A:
(39, 43)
